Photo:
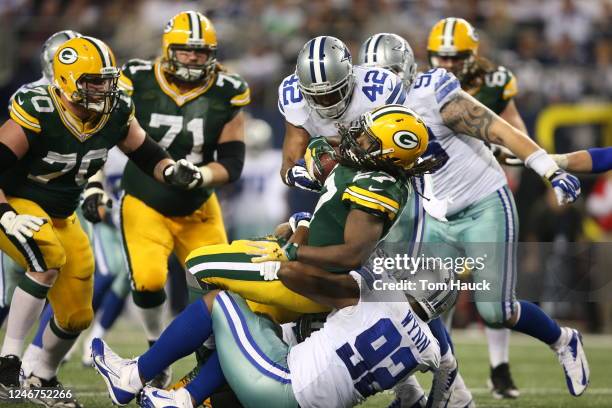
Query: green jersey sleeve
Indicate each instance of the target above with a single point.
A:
(130, 70)
(25, 107)
(498, 90)
(236, 89)
(376, 193)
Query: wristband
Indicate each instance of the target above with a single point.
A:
(560, 159)
(540, 162)
(303, 223)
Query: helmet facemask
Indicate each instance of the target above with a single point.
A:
(329, 103)
(97, 92)
(463, 62)
(191, 72)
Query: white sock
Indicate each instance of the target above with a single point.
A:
(53, 351)
(562, 340)
(499, 345)
(133, 377)
(25, 310)
(30, 359)
(152, 321)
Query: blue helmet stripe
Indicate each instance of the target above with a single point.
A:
(311, 57)
(366, 53)
(376, 48)
(321, 56)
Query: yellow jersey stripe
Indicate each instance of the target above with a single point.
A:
(368, 204)
(23, 122)
(242, 99)
(375, 196)
(24, 114)
(510, 89)
(126, 84)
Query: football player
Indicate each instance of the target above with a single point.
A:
(453, 45)
(360, 201)
(57, 136)
(192, 108)
(471, 185)
(326, 90)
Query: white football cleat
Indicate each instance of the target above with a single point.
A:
(444, 381)
(116, 372)
(152, 397)
(461, 396)
(574, 362)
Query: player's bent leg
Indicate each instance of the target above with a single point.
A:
(252, 355)
(229, 267)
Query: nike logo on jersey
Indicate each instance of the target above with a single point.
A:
(370, 188)
(19, 101)
(158, 395)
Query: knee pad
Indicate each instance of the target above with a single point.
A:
(491, 313)
(76, 321)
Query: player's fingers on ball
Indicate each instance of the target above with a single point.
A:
(32, 226)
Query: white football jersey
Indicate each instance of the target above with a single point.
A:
(374, 87)
(472, 172)
(361, 350)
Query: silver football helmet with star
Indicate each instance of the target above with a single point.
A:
(390, 51)
(325, 76)
(50, 47)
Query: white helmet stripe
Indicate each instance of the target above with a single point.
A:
(391, 108)
(318, 76)
(103, 50)
(195, 25)
(449, 28)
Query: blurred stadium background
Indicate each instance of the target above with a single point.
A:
(560, 51)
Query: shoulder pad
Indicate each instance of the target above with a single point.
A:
(125, 106)
(374, 191)
(130, 70)
(379, 85)
(291, 102)
(437, 84)
(27, 104)
(235, 87)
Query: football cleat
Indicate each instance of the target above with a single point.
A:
(152, 397)
(443, 382)
(408, 394)
(115, 372)
(574, 362)
(501, 384)
(62, 398)
(461, 396)
(10, 368)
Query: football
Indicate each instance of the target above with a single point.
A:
(327, 162)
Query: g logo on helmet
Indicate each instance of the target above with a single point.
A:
(406, 140)
(68, 56)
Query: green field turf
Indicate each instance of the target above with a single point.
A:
(535, 369)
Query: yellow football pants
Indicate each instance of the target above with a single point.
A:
(150, 237)
(60, 244)
(228, 267)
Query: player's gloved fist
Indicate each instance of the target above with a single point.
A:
(94, 198)
(300, 219)
(269, 270)
(271, 251)
(183, 174)
(298, 176)
(566, 186)
(20, 226)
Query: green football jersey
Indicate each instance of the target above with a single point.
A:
(497, 89)
(63, 151)
(345, 189)
(187, 125)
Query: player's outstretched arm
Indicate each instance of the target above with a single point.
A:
(594, 160)
(466, 115)
(335, 290)
(155, 161)
(230, 155)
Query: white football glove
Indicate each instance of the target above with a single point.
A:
(183, 174)
(20, 226)
(269, 270)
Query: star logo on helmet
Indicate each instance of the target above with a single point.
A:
(347, 55)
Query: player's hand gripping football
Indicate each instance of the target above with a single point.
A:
(183, 174)
(299, 177)
(272, 251)
(19, 226)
